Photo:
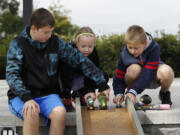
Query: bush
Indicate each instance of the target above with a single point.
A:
(169, 51)
(4, 45)
(109, 49)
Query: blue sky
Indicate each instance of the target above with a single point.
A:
(115, 16)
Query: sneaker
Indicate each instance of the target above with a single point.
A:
(68, 104)
(165, 97)
(83, 101)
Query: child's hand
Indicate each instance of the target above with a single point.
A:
(132, 97)
(118, 99)
(91, 94)
(105, 92)
(31, 107)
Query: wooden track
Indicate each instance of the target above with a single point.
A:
(108, 122)
(103, 122)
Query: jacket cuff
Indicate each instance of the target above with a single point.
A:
(118, 93)
(133, 92)
(103, 87)
(26, 97)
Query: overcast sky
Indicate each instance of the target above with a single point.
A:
(115, 16)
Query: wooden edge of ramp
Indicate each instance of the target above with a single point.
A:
(133, 115)
(79, 124)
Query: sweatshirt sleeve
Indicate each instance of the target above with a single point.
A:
(14, 69)
(118, 79)
(148, 71)
(77, 60)
(90, 85)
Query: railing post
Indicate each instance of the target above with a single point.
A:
(27, 11)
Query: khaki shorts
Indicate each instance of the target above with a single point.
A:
(154, 84)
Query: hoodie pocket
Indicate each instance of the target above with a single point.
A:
(51, 63)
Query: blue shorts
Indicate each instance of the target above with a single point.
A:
(46, 104)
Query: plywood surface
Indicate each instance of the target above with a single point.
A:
(105, 122)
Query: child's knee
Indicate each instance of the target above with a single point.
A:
(58, 112)
(31, 116)
(133, 72)
(165, 72)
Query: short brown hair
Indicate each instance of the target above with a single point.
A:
(83, 31)
(134, 34)
(42, 17)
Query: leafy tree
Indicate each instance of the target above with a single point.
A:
(10, 25)
(14, 25)
(64, 28)
(10, 22)
(11, 5)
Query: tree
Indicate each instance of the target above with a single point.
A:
(11, 5)
(10, 22)
(64, 27)
(10, 25)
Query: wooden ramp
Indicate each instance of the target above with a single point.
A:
(113, 121)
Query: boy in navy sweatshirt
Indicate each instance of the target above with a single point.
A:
(139, 67)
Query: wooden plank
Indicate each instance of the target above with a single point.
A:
(115, 121)
(79, 125)
(134, 117)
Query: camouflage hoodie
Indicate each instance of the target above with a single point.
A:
(65, 52)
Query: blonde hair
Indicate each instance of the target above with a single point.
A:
(135, 34)
(84, 31)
